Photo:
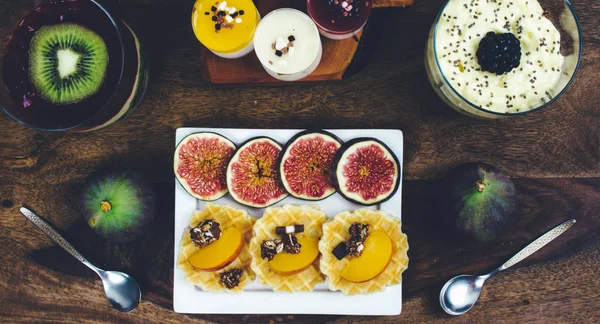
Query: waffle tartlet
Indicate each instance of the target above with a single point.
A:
(226, 216)
(264, 229)
(336, 232)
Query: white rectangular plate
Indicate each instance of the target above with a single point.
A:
(260, 299)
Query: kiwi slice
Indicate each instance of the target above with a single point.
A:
(67, 63)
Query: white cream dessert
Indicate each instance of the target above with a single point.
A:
(509, 89)
(288, 44)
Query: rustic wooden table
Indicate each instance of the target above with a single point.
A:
(553, 156)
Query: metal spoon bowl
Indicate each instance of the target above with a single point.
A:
(460, 293)
(122, 291)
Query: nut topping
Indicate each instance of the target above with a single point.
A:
(359, 230)
(354, 246)
(268, 249)
(205, 233)
(291, 245)
(231, 279)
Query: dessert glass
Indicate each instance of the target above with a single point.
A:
(126, 76)
(334, 27)
(561, 15)
(297, 33)
(236, 21)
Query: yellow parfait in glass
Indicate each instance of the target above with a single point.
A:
(226, 28)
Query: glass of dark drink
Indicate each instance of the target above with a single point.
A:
(69, 65)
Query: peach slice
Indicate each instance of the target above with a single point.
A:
(287, 264)
(220, 253)
(375, 257)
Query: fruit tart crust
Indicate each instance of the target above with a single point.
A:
(313, 219)
(226, 216)
(336, 231)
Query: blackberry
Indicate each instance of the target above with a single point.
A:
(499, 53)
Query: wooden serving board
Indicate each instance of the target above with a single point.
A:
(337, 55)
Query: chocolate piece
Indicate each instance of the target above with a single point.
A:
(359, 230)
(241, 12)
(355, 246)
(205, 233)
(221, 13)
(269, 248)
(218, 26)
(278, 53)
(340, 251)
(214, 18)
(291, 38)
(233, 15)
(290, 244)
(207, 13)
(231, 279)
(282, 230)
(213, 8)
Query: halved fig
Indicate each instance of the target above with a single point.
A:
(366, 171)
(200, 164)
(307, 164)
(252, 173)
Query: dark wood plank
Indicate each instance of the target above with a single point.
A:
(39, 275)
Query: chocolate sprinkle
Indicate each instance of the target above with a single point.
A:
(340, 251)
(281, 230)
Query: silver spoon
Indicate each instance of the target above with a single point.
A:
(460, 293)
(122, 291)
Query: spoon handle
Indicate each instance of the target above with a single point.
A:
(52, 233)
(538, 244)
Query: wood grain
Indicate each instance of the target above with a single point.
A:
(42, 276)
(392, 3)
(553, 156)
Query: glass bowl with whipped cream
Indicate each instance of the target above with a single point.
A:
(500, 58)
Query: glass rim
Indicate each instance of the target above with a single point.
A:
(122, 47)
(314, 30)
(562, 91)
(363, 19)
